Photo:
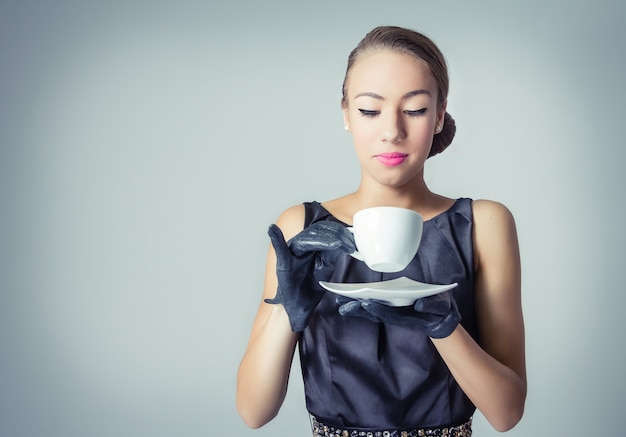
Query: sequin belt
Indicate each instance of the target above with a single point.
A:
(323, 430)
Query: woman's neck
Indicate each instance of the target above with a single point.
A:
(413, 195)
(416, 196)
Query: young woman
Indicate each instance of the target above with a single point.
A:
(368, 368)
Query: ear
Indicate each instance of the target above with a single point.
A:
(442, 112)
(346, 121)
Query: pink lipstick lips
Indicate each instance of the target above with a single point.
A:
(391, 159)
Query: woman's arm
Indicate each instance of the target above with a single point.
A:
(264, 370)
(493, 376)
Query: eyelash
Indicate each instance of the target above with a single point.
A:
(373, 114)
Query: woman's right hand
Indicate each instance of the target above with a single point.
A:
(301, 259)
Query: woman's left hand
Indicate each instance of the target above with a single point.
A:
(437, 316)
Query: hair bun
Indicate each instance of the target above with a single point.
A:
(444, 138)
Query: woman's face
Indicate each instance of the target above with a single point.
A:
(391, 110)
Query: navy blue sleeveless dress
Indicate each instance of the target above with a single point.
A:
(372, 375)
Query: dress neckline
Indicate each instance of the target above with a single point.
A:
(433, 218)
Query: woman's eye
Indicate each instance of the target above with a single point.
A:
(368, 112)
(416, 112)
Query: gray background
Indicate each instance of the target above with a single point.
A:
(145, 146)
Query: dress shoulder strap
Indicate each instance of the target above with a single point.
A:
(314, 212)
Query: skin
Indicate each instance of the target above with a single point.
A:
(392, 108)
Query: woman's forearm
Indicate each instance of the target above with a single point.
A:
(496, 390)
(264, 371)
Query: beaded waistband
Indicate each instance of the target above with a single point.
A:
(323, 430)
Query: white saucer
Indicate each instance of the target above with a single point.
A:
(395, 292)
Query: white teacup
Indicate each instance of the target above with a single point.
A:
(386, 237)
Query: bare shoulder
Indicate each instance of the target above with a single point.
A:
(494, 230)
(490, 211)
(291, 221)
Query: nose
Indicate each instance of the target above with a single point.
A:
(393, 129)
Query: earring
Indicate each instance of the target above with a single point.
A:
(438, 129)
(346, 127)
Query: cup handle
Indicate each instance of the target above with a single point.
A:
(356, 254)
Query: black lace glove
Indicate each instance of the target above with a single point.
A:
(300, 265)
(437, 316)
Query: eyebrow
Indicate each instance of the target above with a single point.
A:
(406, 96)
